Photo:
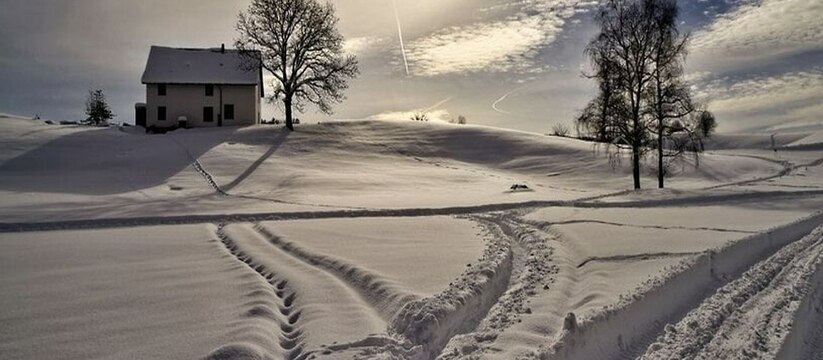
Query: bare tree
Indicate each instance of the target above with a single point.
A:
(668, 97)
(626, 42)
(643, 101)
(300, 46)
(597, 120)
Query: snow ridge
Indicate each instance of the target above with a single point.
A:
(384, 295)
(430, 323)
(623, 330)
(532, 271)
(758, 305)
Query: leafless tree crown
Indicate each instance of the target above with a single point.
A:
(300, 46)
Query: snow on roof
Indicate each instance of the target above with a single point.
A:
(198, 66)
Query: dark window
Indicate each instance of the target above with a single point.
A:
(161, 113)
(228, 112)
(208, 114)
(161, 90)
(209, 90)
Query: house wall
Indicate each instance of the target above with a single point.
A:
(189, 100)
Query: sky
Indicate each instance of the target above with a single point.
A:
(757, 64)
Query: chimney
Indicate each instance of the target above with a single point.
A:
(222, 48)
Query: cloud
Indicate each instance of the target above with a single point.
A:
(363, 45)
(509, 44)
(792, 98)
(763, 29)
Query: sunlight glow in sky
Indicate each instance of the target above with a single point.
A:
(755, 61)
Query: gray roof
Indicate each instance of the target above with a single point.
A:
(198, 66)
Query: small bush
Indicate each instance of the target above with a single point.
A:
(420, 116)
(560, 130)
(462, 120)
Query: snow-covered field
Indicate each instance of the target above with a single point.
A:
(398, 239)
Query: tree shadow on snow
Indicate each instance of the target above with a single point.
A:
(107, 161)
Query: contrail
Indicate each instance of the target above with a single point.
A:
(494, 106)
(400, 35)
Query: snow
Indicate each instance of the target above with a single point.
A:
(399, 239)
(158, 292)
(815, 138)
(168, 65)
(422, 255)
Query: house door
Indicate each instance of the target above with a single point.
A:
(219, 119)
(140, 116)
(208, 114)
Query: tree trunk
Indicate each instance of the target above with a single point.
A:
(289, 121)
(660, 173)
(636, 166)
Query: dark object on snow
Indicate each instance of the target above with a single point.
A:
(516, 187)
(570, 322)
(66, 122)
(49, 122)
(296, 121)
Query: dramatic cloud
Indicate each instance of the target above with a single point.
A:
(763, 30)
(754, 103)
(494, 46)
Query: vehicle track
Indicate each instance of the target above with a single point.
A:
(285, 312)
(430, 323)
(749, 316)
(638, 323)
(533, 271)
(382, 294)
(109, 223)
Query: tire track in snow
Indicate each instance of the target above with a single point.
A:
(788, 167)
(382, 294)
(640, 226)
(429, 324)
(804, 340)
(627, 329)
(634, 257)
(749, 316)
(109, 223)
(290, 335)
(533, 271)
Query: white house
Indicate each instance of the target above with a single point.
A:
(200, 88)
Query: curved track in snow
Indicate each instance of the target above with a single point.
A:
(736, 301)
(107, 223)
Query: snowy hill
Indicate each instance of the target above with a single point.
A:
(344, 165)
(400, 239)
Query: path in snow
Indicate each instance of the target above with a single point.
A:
(627, 329)
(274, 305)
(314, 307)
(382, 294)
(532, 272)
(751, 316)
(105, 223)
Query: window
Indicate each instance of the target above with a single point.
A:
(209, 90)
(161, 113)
(208, 114)
(161, 90)
(228, 112)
